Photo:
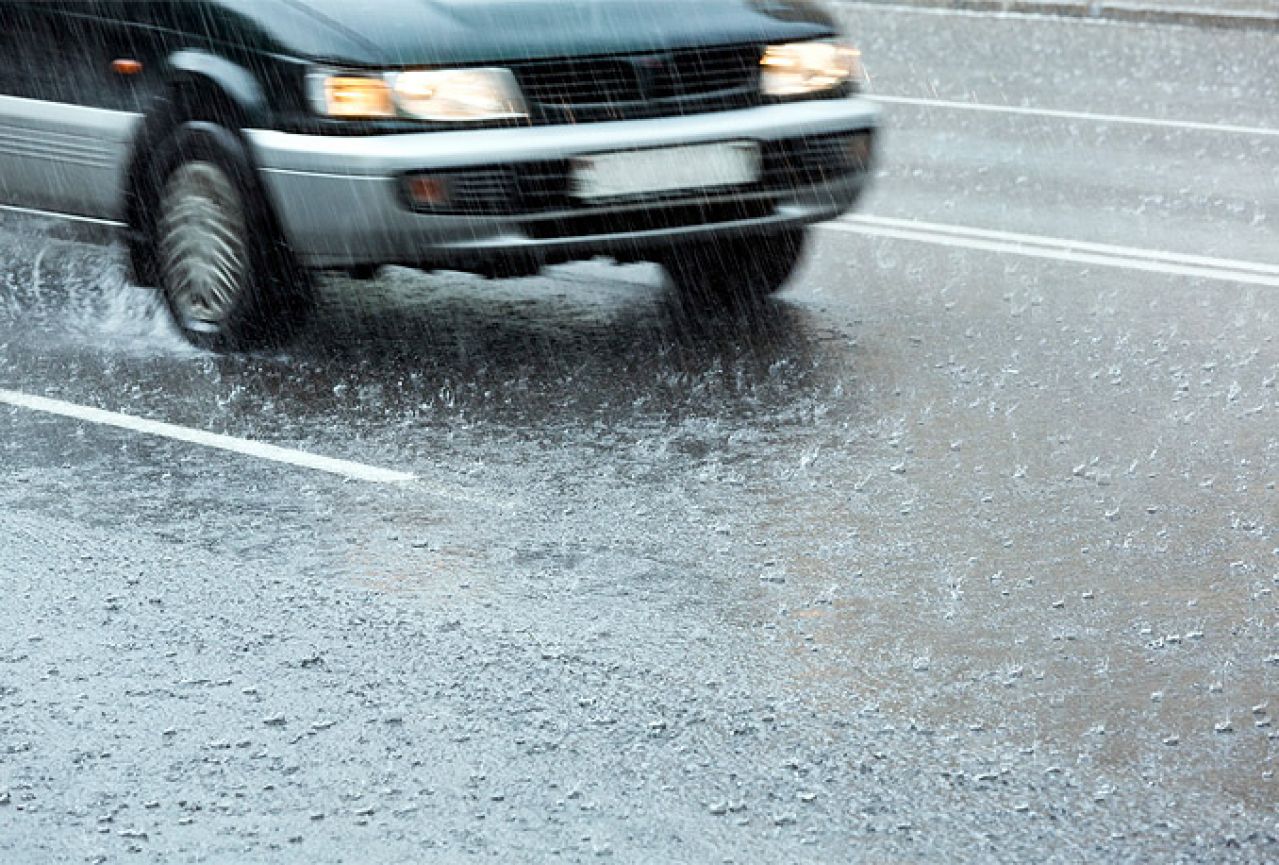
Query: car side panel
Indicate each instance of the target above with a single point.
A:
(67, 118)
(63, 158)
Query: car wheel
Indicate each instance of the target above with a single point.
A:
(744, 270)
(217, 260)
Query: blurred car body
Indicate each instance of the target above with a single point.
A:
(243, 144)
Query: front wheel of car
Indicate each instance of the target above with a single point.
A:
(224, 278)
(737, 271)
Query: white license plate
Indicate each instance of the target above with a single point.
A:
(666, 169)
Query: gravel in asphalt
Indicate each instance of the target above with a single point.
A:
(950, 555)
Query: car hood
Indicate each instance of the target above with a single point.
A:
(422, 32)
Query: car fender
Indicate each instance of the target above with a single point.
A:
(200, 87)
(203, 70)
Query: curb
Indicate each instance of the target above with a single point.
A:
(1100, 10)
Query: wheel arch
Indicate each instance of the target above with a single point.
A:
(206, 94)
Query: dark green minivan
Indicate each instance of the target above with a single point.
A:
(241, 145)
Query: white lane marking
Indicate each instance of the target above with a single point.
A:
(1058, 249)
(1083, 245)
(1069, 16)
(1075, 115)
(246, 447)
(62, 217)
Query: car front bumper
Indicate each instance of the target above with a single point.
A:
(341, 200)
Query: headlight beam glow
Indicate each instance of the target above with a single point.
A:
(804, 68)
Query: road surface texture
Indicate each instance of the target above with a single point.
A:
(1247, 14)
(965, 550)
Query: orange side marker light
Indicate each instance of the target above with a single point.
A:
(126, 66)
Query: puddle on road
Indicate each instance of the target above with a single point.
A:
(876, 544)
(1021, 621)
(586, 347)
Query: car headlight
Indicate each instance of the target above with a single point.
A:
(444, 95)
(459, 94)
(349, 96)
(801, 68)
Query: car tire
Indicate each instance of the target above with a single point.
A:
(738, 271)
(226, 276)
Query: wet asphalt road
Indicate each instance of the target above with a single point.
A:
(949, 555)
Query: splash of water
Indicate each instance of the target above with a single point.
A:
(61, 294)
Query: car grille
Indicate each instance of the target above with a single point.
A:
(671, 83)
(810, 161)
(675, 215)
(482, 191)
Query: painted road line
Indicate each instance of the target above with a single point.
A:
(246, 447)
(61, 217)
(1085, 12)
(1057, 249)
(1191, 125)
(1057, 242)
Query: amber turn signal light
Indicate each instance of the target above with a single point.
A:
(353, 97)
(126, 66)
(427, 191)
